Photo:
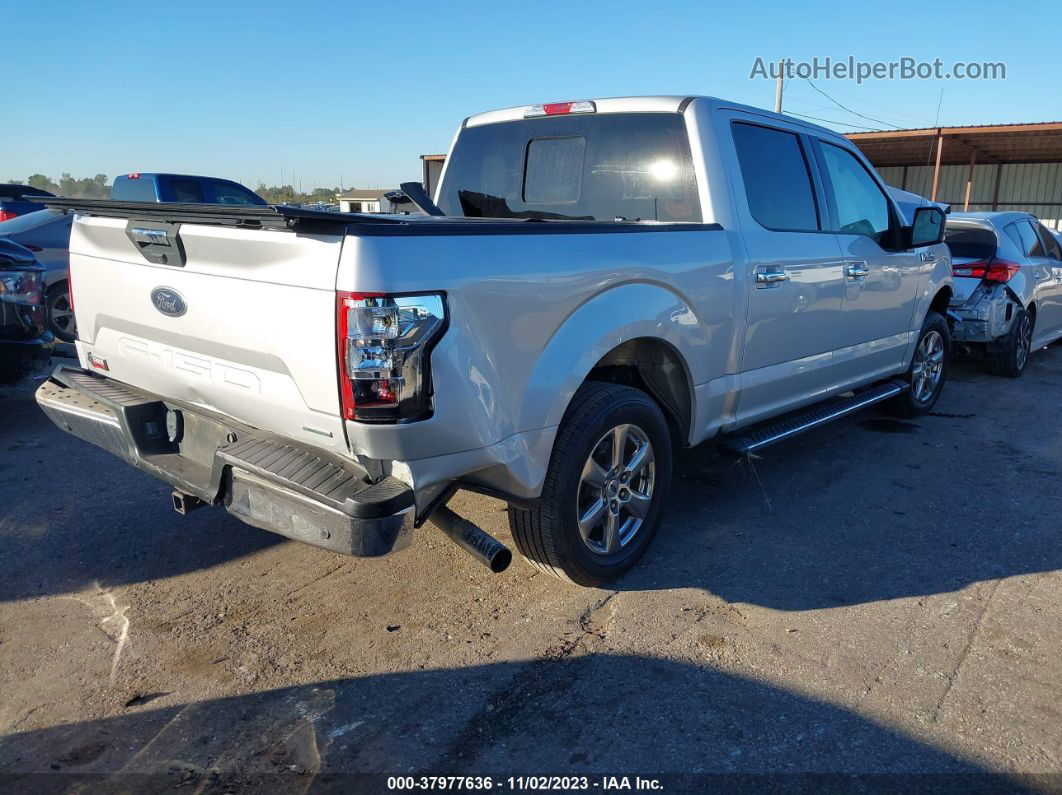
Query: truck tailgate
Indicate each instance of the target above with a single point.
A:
(244, 327)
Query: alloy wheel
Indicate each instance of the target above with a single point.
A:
(928, 366)
(616, 489)
(1024, 342)
(62, 314)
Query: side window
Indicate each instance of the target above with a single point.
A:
(1030, 243)
(227, 193)
(1012, 233)
(1050, 244)
(862, 208)
(776, 176)
(188, 191)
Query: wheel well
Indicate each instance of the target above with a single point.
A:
(1031, 309)
(941, 301)
(656, 368)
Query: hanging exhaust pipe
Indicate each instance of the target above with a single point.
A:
(483, 547)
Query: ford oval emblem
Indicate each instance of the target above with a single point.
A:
(168, 301)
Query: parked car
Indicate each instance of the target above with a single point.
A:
(13, 200)
(24, 334)
(47, 235)
(183, 188)
(610, 278)
(1008, 286)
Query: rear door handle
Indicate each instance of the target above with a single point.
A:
(857, 270)
(771, 276)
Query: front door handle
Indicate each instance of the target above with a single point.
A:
(770, 276)
(857, 270)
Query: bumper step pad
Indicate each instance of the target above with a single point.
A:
(269, 482)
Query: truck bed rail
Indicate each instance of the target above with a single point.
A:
(281, 216)
(270, 215)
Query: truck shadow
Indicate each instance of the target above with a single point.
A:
(873, 508)
(866, 509)
(594, 714)
(72, 515)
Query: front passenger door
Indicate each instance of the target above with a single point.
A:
(881, 281)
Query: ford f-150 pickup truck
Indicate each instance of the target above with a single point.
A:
(594, 283)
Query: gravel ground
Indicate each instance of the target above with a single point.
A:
(876, 597)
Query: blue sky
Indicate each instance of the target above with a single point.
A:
(251, 90)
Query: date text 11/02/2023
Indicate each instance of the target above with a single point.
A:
(524, 783)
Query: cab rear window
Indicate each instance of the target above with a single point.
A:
(970, 242)
(607, 167)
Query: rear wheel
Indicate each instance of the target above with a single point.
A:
(929, 368)
(61, 312)
(1010, 353)
(605, 488)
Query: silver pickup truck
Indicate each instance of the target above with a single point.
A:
(595, 283)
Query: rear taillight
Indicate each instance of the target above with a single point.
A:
(384, 342)
(7, 215)
(992, 270)
(22, 287)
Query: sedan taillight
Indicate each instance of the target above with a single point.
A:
(992, 270)
(384, 343)
(7, 215)
(22, 287)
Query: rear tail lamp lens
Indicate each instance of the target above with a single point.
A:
(22, 287)
(384, 354)
(1001, 271)
(993, 270)
(7, 215)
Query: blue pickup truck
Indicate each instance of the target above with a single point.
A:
(182, 189)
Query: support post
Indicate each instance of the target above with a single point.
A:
(778, 87)
(995, 191)
(936, 168)
(969, 181)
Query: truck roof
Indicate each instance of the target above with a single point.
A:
(673, 103)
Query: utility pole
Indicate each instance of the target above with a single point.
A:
(778, 88)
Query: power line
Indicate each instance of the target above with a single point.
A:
(832, 121)
(882, 107)
(849, 110)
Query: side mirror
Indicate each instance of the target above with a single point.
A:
(928, 227)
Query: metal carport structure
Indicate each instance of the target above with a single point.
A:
(977, 167)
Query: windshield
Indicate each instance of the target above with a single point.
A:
(608, 167)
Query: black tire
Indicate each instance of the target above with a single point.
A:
(60, 313)
(913, 403)
(548, 535)
(1009, 355)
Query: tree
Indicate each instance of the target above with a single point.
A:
(42, 182)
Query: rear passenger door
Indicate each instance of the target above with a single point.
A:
(880, 279)
(796, 279)
(1049, 264)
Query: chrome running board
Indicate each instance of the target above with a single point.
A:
(756, 438)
